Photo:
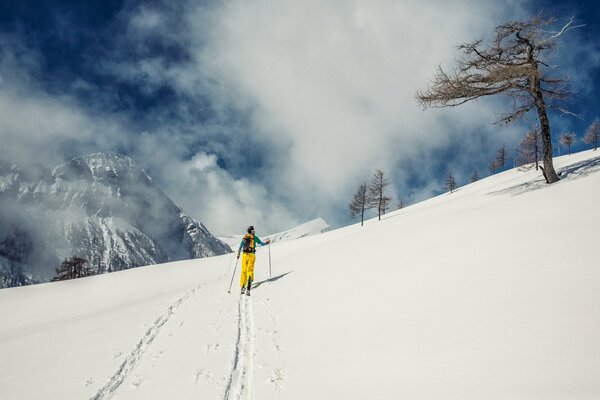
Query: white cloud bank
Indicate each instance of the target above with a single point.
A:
(337, 80)
(326, 91)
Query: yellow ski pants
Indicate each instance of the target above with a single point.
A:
(247, 268)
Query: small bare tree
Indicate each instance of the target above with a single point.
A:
(401, 203)
(493, 167)
(530, 148)
(568, 139)
(450, 183)
(591, 135)
(377, 196)
(359, 203)
(501, 157)
(515, 64)
(474, 176)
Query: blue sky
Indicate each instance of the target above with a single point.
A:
(267, 113)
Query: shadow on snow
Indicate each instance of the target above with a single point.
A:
(575, 171)
(273, 279)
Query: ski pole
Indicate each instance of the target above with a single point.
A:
(233, 276)
(270, 275)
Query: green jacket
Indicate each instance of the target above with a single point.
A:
(253, 242)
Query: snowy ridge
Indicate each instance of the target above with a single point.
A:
(313, 227)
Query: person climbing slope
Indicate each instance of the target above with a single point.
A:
(248, 248)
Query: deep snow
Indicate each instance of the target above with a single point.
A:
(491, 292)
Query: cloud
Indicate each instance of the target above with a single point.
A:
(227, 205)
(40, 129)
(337, 81)
(32, 120)
(267, 112)
(295, 101)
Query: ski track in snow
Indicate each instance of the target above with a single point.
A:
(239, 386)
(131, 360)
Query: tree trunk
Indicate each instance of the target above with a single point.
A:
(537, 152)
(549, 172)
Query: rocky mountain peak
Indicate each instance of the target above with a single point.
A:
(102, 207)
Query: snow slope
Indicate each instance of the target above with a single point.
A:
(313, 227)
(491, 292)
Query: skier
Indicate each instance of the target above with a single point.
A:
(248, 247)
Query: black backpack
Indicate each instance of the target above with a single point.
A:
(248, 242)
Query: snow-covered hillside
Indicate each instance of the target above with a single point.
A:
(491, 292)
(313, 227)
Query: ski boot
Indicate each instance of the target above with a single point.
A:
(249, 287)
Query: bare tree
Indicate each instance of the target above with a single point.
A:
(568, 139)
(591, 135)
(493, 167)
(359, 203)
(501, 157)
(474, 176)
(71, 268)
(529, 150)
(377, 196)
(515, 64)
(450, 183)
(401, 204)
(499, 162)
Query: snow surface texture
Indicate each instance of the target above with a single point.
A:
(101, 207)
(491, 292)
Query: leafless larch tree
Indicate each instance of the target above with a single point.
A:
(377, 192)
(568, 139)
(529, 150)
(359, 203)
(493, 167)
(501, 157)
(515, 64)
(450, 183)
(401, 203)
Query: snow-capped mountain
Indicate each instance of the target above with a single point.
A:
(313, 227)
(101, 207)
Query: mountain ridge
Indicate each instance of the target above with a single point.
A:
(101, 207)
